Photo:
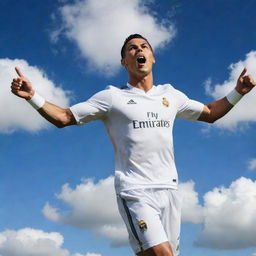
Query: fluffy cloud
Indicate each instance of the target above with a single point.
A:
(33, 242)
(252, 164)
(94, 207)
(191, 210)
(18, 114)
(229, 216)
(244, 111)
(100, 27)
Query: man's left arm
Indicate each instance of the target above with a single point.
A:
(217, 109)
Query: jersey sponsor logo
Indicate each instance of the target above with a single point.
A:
(131, 102)
(150, 124)
(142, 226)
(165, 102)
(153, 121)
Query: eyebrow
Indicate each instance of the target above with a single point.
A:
(129, 45)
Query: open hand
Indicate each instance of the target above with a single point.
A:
(245, 83)
(21, 86)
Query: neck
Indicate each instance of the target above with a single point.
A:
(144, 83)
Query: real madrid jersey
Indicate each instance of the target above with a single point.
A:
(140, 126)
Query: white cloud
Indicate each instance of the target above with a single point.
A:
(191, 210)
(229, 216)
(225, 214)
(252, 164)
(94, 207)
(34, 242)
(31, 242)
(17, 113)
(244, 111)
(51, 212)
(100, 27)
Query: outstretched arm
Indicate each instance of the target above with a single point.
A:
(217, 109)
(58, 116)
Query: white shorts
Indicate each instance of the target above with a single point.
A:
(152, 216)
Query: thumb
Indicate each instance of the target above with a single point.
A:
(18, 72)
(243, 72)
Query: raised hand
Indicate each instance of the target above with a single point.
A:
(245, 83)
(21, 86)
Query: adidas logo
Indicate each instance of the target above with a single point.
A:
(131, 102)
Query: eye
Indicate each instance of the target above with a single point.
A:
(132, 47)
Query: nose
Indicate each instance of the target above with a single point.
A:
(139, 49)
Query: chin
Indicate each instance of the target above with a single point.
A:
(144, 71)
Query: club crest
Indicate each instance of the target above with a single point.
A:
(165, 102)
(142, 225)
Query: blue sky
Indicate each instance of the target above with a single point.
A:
(70, 50)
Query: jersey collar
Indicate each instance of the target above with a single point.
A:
(140, 90)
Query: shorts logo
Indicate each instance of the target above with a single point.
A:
(142, 225)
(165, 102)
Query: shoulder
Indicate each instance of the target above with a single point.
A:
(107, 91)
(117, 90)
(168, 88)
(114, 89)
(174, 93)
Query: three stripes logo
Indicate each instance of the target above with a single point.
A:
(131, 102)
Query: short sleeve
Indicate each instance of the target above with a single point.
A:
(188, 109)
(95, 108)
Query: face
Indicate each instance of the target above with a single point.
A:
(139, 57)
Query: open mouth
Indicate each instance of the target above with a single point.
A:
(141, 59)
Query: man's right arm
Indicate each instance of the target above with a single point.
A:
(58, 116)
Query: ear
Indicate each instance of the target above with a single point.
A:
(123, 62)
(154, 60)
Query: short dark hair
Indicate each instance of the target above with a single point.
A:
(130, 37)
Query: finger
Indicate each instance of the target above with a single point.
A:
(251, 80)
(243, 72)
(17, 83)
(15, 90)
(19, 72)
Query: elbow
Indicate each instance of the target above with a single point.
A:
(211, 121)
(60, 125)
(65, 119)
(208, 116)
(208, 119)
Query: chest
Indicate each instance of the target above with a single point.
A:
(156, 108)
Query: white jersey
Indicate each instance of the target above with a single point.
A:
(140, 126)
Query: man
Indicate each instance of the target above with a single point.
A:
(139, 119)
